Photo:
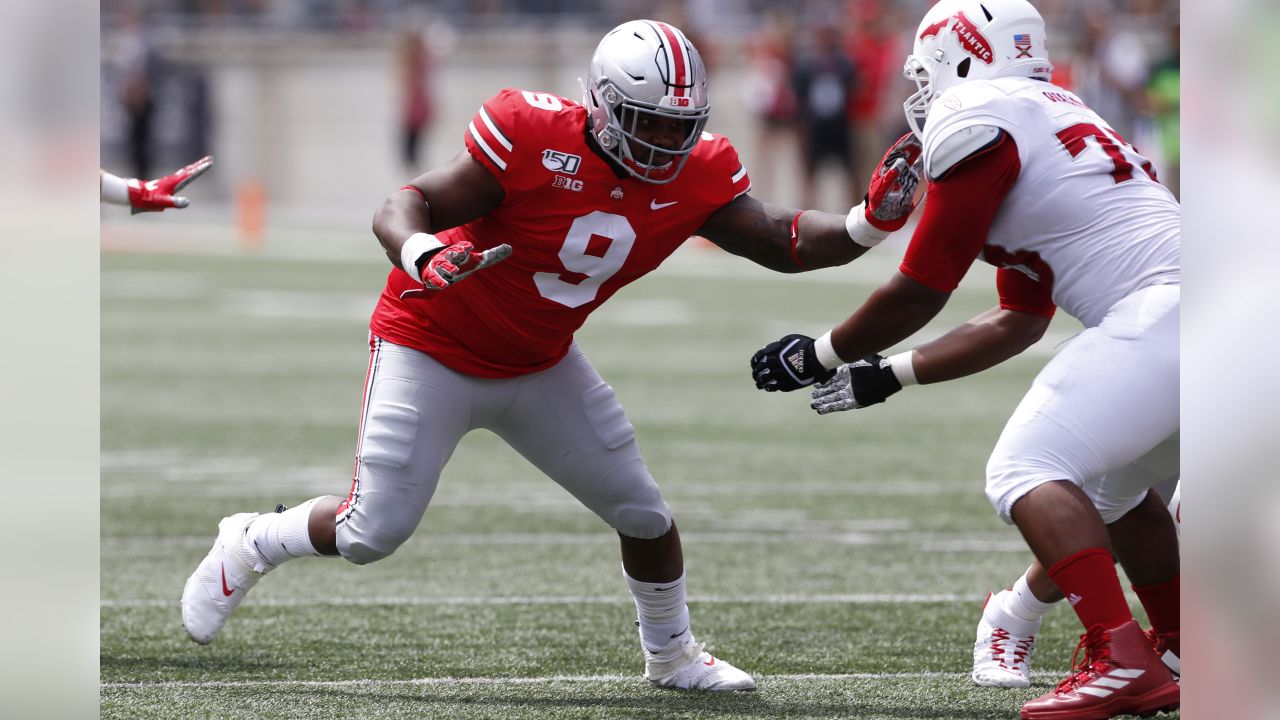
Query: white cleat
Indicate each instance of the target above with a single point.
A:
(684, 665)
(220, 581)
(1002, 650)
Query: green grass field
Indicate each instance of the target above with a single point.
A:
(841, 559)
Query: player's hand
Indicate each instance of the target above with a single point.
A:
(787, 364)
(891, 193)
(856, 385)
(157, 195)
(452, 264)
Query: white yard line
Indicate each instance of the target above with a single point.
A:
(546, 680)
(795, 598)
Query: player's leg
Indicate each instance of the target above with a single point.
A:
(567, 421)
(1145, 540)
(1107, 399)
(1138, 530)
(1006, 634)
(414, 412)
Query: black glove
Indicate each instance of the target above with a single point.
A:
(868, 381)
(787, 364)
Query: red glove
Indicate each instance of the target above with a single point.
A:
(891, 194)
(451, 264)
(157, 195)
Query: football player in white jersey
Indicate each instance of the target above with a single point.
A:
(151, 195)
(1024, 175)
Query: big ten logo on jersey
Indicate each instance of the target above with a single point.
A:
(561, 162)
(567, 183)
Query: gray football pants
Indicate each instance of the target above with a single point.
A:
(565, 420)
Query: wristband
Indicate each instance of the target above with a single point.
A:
(826, 352)
(861, 230)
(414, 248)
(114, 190)
(903, 368)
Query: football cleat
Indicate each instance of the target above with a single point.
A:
(221, 580)
(1002, 651)
(1120, 675)
(684, 665)
(1168, 648)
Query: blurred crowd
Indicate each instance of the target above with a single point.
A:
(823, 77)
(830, 78)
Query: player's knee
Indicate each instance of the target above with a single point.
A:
(367, 549)
(643, 523)
(362, 545)
(1008, 481)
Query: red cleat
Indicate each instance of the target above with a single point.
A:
(1120, 675)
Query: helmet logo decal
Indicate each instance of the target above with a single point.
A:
(1022, 41)
(970, 38)
(678, 70)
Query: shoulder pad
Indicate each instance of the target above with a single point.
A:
(957, 146)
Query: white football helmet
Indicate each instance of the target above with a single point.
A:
(645, 71)
(961, 40)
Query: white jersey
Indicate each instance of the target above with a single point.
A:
(1085, 216)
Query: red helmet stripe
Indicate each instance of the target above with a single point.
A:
(678, 57)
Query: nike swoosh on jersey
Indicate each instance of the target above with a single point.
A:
(655, 205)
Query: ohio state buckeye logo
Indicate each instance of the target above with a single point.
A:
(970, 38)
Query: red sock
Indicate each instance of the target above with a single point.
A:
(1088, 579)
(1161, 602)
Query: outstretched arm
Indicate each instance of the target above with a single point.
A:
(790, 241)
(779, 238)
(985, 341)
(151, 195)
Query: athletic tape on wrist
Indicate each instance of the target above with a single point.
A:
(415, 247)
(860, 230)
(115, 190)
(903, 368)
(826, 352)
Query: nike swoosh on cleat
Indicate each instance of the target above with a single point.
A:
(225, 589)
(655, 205)
(710, 662)
(686, 628)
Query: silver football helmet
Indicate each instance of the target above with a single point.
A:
(961, 40)
(646, 79)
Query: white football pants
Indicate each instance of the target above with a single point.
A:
(1102, 414)
(565, 420)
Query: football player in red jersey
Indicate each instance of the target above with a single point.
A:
(151, 195)
(552, 207)
(1024, 175)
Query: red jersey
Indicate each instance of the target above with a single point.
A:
(578, 234)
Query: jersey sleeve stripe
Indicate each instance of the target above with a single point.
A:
(497, 134)
(744, 191)
(741, 173)
(502, 164)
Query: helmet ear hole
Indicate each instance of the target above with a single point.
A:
(963, 68)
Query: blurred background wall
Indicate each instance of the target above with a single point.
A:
(316, 109)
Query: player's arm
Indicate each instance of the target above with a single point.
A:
(963, 202)
(789, 240)
(779, 238)
(151, 195)
(456, 193)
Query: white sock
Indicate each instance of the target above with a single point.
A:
(1023, 604)
(278, 537)
(661, 609)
